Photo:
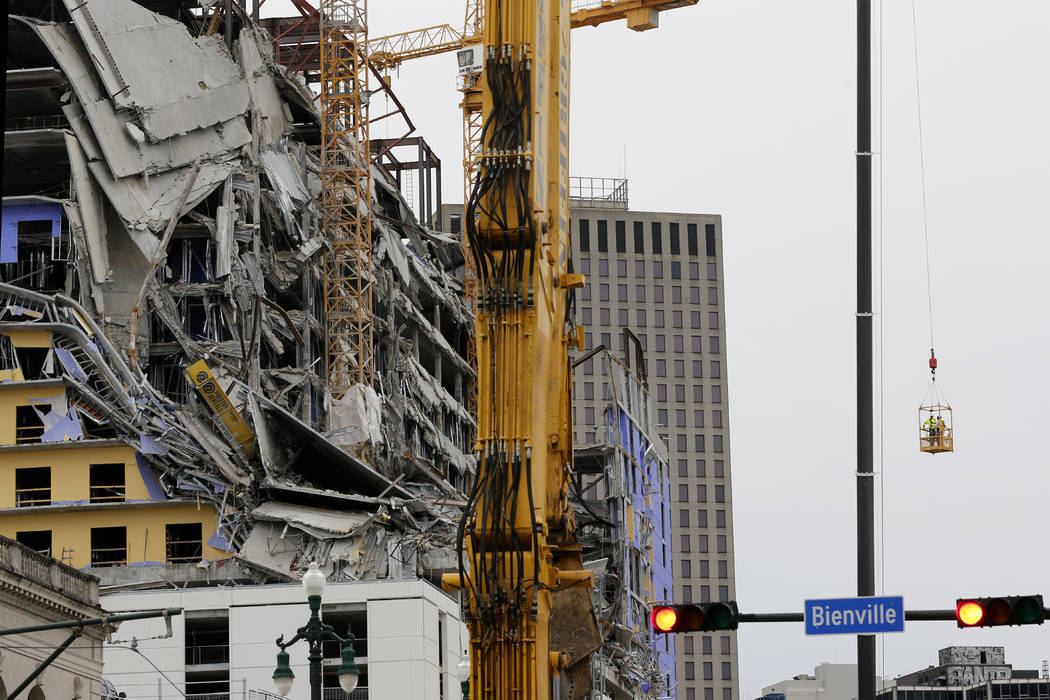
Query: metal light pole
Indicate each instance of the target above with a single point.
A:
(865, 434)
(315, 632)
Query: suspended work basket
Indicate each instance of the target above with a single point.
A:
(935, 428)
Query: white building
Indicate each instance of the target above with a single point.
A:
(828, 682)
(409, 641)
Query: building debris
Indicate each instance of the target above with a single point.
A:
(203, 159)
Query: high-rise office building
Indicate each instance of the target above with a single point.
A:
(659, 275)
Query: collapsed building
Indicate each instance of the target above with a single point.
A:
(620, 494)
(163, 409)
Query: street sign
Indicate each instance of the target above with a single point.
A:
(867, 615)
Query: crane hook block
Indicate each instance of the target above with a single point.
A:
(933, 363)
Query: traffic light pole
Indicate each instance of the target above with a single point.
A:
(865, 438)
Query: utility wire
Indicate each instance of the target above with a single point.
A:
(922, 168)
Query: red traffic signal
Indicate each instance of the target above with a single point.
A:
(1001, 610)
(695, 617)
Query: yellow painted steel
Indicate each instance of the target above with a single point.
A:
(346, 198)
(204, 381)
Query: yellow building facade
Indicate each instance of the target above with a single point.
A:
(89, 501)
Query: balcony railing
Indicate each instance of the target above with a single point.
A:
(112, 556)
(49, 572)
(340, 694)
(41, 496)
(211, 654)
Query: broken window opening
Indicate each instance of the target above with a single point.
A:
(159, 332)
(37, 540)
(32, 487)
(107, 483)
(28, 425)
(192, 260)
(42, 257)
(109, 546)
(8, 354)
(184, 543)
(201, 320)
(32, 361)
(96, 427)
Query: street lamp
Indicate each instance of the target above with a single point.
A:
(463, 671)
(315, 633)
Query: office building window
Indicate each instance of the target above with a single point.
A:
(621, 293)
(703, 548)
(661, 344)
(716, 369)
(716, 394)
(727, 694)
(687, 644)
(588, 390)
(709, 673)
(690, 234)
(682, 442)
(698, 418)
(661, 417)
(658, 270)
(714, 345)
(676, 295)
(606, 340)
(621, 236)
(603, 236)
(698, 369)
(723, 568)
(701, 493)
(658, 245)
(701, 518)
(727, 674)
(705, 594)
(603, 292)
(695, 344)
(683, 467)
(720, 518)
(673, 239)
(676, 270)
(585, 315)
(621, 318)
(658, 294)
(694, 319)
(603, 316)
(716, 422)
(724, 641)
(718, 443)
(679, 418)
(698, 393)
(694, 295)
(679, 368)
(701, 468)
(661, 392)
(720, 494)
(603, 267)
(621, 268)
(683, 493)
(690, 671)
(585, 292)
(721, 544)
(720, 468)
(588, 366)
(679, 393)
(585, 236)
(684, 543)
(639, 292)
(699, 443)
(705, 570)
(676, 319)
(658, 318)
(639, 238)
(683, 521)
(678, 343)
(585, 266)
(639, 317)
(712, 295)
(709, 239)
(694, 271)
(687, 594)
(705, 645)
(639, 269)
(661, 368)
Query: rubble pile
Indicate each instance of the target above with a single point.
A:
(181, 284)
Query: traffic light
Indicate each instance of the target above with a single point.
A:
(1003, 610)
(695, 617)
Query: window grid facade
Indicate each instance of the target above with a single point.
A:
(669, 266)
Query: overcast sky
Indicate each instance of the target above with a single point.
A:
(745, 108)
